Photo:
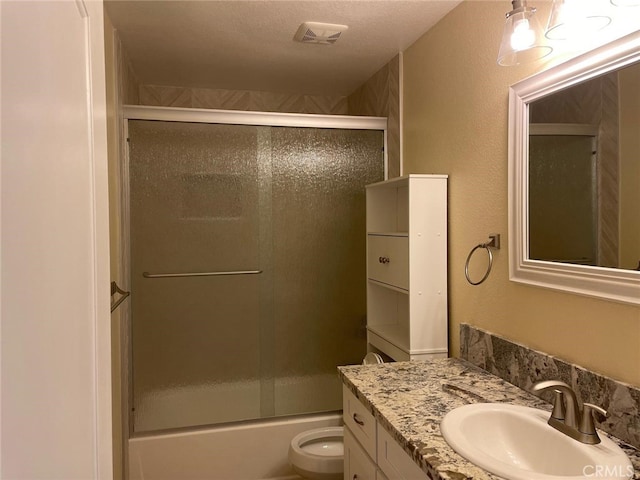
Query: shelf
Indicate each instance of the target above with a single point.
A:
(392, 333)
(398, 181)
(389, 286)
(390, 339)
(387, 347)
(389, 234)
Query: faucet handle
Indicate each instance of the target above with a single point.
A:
(586, 422)
(571, 405)
(558, 405)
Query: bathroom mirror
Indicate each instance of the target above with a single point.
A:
(574, 175)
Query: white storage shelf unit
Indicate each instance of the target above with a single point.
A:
(407, 267)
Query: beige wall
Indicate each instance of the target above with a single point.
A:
(455, 122)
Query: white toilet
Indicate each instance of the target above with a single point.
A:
(318, 454)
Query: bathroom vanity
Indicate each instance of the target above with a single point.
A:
(369, 450)
(392, 414)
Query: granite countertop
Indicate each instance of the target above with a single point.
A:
(409, 399)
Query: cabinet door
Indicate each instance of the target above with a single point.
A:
(394, 462)
(388, 260)
(357, 464)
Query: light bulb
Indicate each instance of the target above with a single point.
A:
(522, 36)
(576, 19)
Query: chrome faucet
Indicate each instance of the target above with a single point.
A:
(567, 410)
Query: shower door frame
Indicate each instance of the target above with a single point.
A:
(198, 115)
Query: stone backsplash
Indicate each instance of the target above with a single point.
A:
(523, 367)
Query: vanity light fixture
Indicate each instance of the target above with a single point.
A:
(522, 39)
(571, 19)
(626, 3)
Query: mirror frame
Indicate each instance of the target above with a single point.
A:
(608, 283)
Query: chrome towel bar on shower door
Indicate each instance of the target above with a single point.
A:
(199, 274)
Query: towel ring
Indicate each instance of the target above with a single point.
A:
(494, 242)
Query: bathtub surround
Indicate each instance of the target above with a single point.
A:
(128, 81)
(522, 367)
(172, 96)
(380, 96)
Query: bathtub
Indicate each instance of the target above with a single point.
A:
(245, 451)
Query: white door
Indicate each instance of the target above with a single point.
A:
(55, 348)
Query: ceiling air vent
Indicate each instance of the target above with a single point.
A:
(322, 33)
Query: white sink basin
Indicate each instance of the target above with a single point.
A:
(516, 443)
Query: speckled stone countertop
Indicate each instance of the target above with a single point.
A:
(409, 399)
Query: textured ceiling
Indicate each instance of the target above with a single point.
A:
(248, 44)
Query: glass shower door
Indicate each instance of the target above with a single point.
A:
(319, 268)
(288, 202)
(194, 208)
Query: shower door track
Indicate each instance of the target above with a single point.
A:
(269, 119)
(198, 115)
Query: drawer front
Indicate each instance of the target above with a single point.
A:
(394, 462)
(360, 421)
(357, 464)
(388, 260)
